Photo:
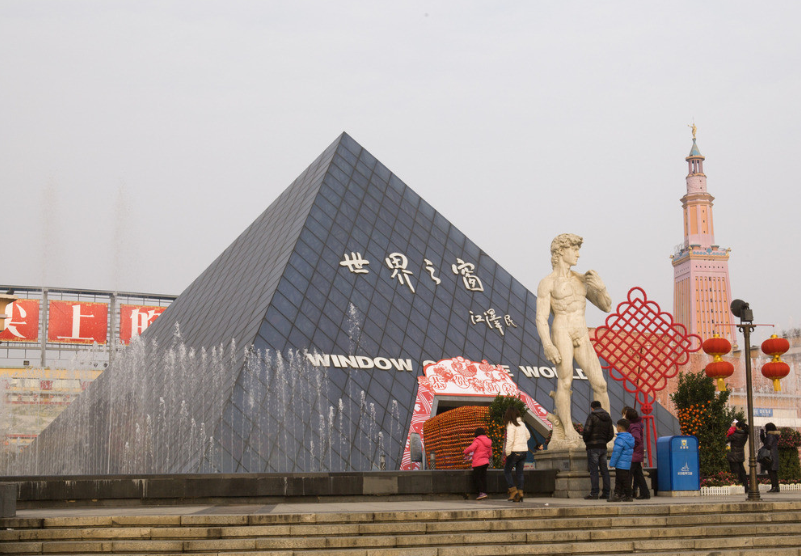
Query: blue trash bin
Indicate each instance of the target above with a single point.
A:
(678, 467)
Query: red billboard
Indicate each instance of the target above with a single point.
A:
(134, 319)
(23, 322)
(77, 322)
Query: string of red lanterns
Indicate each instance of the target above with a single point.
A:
(775, 369)
(718, 368)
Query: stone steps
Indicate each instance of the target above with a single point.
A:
(726, 529)
(543, 529)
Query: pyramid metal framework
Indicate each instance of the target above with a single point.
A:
(334, 299)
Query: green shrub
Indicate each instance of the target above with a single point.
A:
(495, 428)
(789, 466)
(703, 413)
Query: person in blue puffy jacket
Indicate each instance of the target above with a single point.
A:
(622, 453)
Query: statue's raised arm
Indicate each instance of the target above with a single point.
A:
(596, 291)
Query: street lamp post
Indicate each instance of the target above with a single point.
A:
(741, 310)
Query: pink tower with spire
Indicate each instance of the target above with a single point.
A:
(702, 290)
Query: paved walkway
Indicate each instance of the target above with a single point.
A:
(381, 505)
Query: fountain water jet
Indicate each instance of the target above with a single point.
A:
(200, 417)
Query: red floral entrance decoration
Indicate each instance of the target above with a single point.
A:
(644, 348)
(461, 377)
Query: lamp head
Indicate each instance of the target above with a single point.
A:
(742, 310)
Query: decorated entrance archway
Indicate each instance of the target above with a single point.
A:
(460, 379)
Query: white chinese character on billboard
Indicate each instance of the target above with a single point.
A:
(134, 319)
(397, 262)
(355, 263)
(22, 324)
(467, 271)
(431, 270)
(72, 322)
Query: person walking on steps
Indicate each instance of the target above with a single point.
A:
(770, 440)
(517, 436)
(598, 432)
(481, 448)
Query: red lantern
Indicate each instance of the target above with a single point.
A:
(718, 368)
(775, 346)
(775, 369)
(716, 346)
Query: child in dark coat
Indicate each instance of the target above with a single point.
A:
(621, 461)
(481, 448)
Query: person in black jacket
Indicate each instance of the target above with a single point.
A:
(736, 455)
(770, 440)
(598, 432)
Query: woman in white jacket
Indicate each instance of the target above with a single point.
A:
(517, 436)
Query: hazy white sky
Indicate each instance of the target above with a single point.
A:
(138, 139)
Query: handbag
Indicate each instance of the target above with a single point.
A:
(764, 456)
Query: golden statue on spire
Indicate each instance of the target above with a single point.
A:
(693, 128)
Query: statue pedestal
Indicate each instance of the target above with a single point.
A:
(573, 479)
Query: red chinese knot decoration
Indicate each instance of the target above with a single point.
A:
(718, 368)
(643, 346)
(775, 369)
(644, 349)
